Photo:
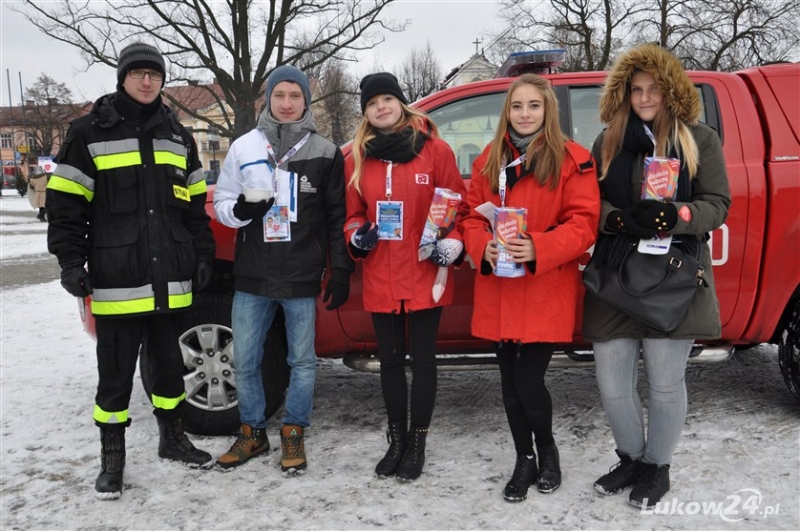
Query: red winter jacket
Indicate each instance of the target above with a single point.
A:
(541, 306)
(391, 272)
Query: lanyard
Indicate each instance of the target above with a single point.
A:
(502, 177)
(652, 138)
(388, 179)
(286, 157)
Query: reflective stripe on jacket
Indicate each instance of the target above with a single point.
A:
(130, 199)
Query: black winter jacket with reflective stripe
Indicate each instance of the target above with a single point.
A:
(128, 195)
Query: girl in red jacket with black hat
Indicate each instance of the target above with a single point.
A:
(532, 165)
(397, 161)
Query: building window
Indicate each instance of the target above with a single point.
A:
(5, 141)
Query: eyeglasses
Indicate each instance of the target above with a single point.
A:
(140, 73)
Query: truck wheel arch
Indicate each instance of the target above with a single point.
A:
(789, 347)
(206, 343)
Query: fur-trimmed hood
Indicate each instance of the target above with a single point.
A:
(680, 95)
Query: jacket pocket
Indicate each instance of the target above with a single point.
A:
(115, 260)
(182, 256)
(178, 192)
(122, 194)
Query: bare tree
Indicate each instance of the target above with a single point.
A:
(729, 35)
(48, 110)
(236, 42)
(705, 34)
(338, 112)
(589, 30)
(421, 74)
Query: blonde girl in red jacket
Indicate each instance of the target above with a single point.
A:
(397, 161)
(555, 180)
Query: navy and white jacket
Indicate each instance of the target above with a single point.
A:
(295, 268)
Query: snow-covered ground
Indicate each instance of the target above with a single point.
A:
(740, 449)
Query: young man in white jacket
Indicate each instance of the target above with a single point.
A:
(281, 265)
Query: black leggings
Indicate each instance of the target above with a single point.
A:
(390, 329)
(525, 397)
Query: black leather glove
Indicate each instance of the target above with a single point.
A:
(366, 238)
(75, 280)
(202, 276)
(656, 215)
(338, 289)
(246, 211)
(625, 221)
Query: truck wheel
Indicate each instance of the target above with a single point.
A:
(211, 406)
(789, 350)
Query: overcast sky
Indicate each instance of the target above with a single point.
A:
(450, 26)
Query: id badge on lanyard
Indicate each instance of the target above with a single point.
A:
(276, 223)
(502, 178)
(389, 213)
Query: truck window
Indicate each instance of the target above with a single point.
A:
(583, 123)
(468, 125)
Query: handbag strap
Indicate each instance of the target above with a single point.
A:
(672, 267)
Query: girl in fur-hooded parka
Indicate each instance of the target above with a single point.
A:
(398, 160)
(651, 107)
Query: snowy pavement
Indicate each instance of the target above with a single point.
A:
(738, 461)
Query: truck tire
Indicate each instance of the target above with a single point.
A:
(789, 350)
(206, 343)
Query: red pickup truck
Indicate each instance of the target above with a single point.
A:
(755, 255)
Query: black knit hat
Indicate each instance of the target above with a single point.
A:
(139, 55)
(380, 83)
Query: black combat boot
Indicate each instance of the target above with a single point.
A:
(396, 437)
(175, 445)
(108, 485)
(410, 467)
(549, 469)
(524, 476)
(652, 482)
(621, 476)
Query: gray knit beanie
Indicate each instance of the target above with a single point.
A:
(139, 55)
(288, 73)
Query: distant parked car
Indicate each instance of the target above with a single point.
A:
(211, 176)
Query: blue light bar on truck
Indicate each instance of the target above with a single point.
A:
(542, 62)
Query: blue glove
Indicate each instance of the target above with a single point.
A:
(365, 238)
(446, 251)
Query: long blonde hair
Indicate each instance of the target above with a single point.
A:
(668, 129)
(546, 151)
(419, 122)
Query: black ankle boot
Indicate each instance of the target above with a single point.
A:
(549, 469)
(524, 476)
(108, 485)
(410, 467)
(652, 482)
(396, 437)
(175, 445)
(619, 477)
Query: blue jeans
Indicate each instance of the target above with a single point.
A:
(617, 372)
(252, 317)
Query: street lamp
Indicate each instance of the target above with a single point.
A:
(213, 141)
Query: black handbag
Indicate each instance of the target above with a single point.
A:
(654, 289)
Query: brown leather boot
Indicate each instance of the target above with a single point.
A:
(250, 443)
(293, 458)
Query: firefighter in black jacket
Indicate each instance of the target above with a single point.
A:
(128, 196)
